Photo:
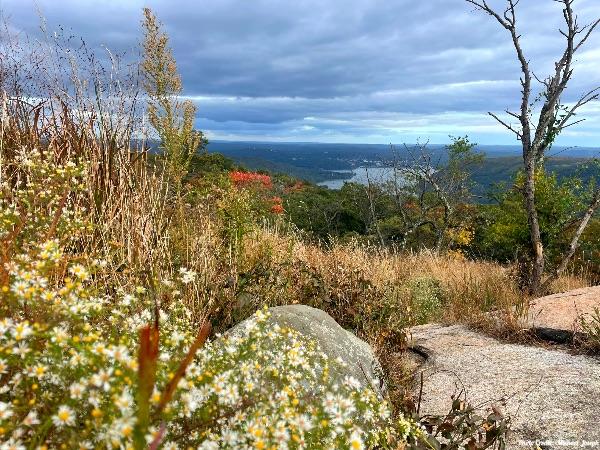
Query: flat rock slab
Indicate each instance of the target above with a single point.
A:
(558, 317)
(552, 397)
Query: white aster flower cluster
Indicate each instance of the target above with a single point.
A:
(40, 198)
(269, 387)
(266, 387)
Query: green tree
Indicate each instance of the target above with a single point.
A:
(323, 212)
(504, 235)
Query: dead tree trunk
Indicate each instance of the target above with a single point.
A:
(537, 247)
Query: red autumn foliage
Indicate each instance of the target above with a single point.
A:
(253, 179)
(277, 207)
(250, 178)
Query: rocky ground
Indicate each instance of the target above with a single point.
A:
(551, 394)
(557, 317)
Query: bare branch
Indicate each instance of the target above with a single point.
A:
(574, 244)
(483, 6)
(594, 94)
(506, 125)
(510, 113)
(544, 82)
(590, 28)
(572, 123)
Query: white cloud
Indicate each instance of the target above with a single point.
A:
(347, 70)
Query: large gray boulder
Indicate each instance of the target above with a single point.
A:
(355, 355)
(552, 396)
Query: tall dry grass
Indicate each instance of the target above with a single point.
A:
(72, 104)
(468, 287)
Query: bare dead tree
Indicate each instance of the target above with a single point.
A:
(537, 134)
(421, 168)
(438, 183)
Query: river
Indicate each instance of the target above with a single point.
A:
(359, 175)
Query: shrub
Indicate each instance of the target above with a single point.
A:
(426, 296)
(503, 233)
(266, 387)
(590, 326)
(238, 212)
(464, 428)
(171, 117)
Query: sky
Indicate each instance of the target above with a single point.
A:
(356, 71)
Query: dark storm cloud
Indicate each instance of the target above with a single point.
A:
(350, 70)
